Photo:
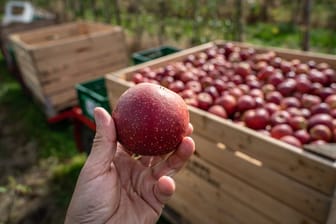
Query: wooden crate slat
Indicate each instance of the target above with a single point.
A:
(78, 44)
(93, 69)
(36, 36)
(84, 49)
(79, 65)
(219, 201)
(277, 197)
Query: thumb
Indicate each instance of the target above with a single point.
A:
(105, 141)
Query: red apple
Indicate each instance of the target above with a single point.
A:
(206, 81)
(331, 101)
(256, 93)
(176, 86)
(274, 97)
(276, 78)
(298, 122)
(287, 87)
(317, 76)
(229, 103)
(285, 67)
(265, 73)
(303, 85)
(271, 107)
(289, 102)
(166, 81)
(220, 85)
(302, 69)
(236, 92)
(330, 74)
(228, 47)
(322, 108)
(192, 101)
(281, 130)
(218, 110)
(150, 119)
(195, 86)
(291, 140)
(254, 84)
(320, 132)
(305, 112)
(187, 76)
(324, 119)
(256, 119)
(294, 111)
(243, 69)
(137, 78)
(309, 100)
(325, 92)
(244, 88)
(245, 102)
(280, 117)
(212, 91)
(204, 100)
(267, 88)
(303, 136)
(187, 93)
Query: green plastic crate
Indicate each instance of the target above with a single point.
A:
(153, 53)
(92, 94)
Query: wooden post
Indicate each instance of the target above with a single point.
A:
(117, 12)
(162, 30)
(107, 12)
(306, 25)
(239, 20)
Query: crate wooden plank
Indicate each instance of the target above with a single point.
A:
(84, 48)
(302, 198)
(86, 72)
(220, 205)
(36, 36)
(332, 213)
(73, 66)
(81, 42)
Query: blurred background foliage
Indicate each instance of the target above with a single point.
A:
(147, 23)
(191, 22)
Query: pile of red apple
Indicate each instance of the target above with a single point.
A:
(290, 100)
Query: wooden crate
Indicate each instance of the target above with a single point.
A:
(7, 30)
(53, 59)
(240, 176)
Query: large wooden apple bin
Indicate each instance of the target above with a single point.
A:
(239, 176)
(53, 60)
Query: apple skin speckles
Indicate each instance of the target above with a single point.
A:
(150, 119)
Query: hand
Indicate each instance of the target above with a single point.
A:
(114, 187)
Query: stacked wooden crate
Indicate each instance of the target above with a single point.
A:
(9, 29)
(240, 176)
(53, 59)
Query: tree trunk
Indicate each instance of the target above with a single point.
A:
(117, 12)
(296, 11)
(239, 20)
(264, 11)
(107, 12)
(306, 25)
(162, 30)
